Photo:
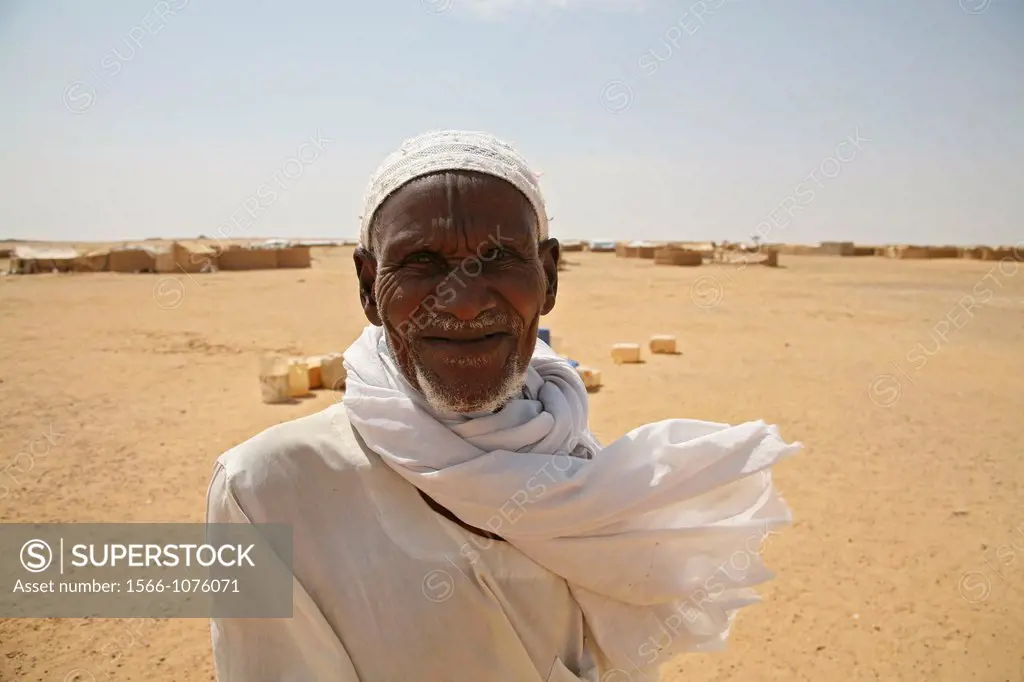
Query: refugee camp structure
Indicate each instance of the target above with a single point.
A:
(132, 259)
(93, 261)
(294, 257)
(836, 249)
(637, 249)
(997, 253)
(28, 260)
(671, 255)
(187, 257)
(913, 252)
(799, 250)
(238, 258)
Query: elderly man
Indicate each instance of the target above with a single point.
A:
(454, 518)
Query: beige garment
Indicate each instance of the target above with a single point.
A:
(385, 589)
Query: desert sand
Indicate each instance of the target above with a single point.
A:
(906, 558)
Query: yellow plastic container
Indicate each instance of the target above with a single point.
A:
(298, 378)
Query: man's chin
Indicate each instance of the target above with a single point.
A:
(473, 393)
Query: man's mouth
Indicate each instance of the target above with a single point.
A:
(468, 340)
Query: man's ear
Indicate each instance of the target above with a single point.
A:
(366, 272)
(549, 252)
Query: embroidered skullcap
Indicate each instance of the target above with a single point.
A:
(451, 150)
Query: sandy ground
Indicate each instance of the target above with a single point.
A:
(906, 561)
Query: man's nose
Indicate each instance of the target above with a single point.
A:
(472, 297)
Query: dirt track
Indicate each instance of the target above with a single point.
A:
(909, 496)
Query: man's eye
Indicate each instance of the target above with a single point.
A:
(420, 258)
(497, 253)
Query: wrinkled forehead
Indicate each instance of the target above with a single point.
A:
(456, 210)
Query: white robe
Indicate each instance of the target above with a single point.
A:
(385, 589)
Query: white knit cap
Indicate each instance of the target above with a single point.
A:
(451, 150)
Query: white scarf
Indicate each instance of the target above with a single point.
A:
(658, 534)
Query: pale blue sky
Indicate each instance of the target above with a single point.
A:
(731, 106)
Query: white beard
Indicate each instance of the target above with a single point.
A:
(443, 401)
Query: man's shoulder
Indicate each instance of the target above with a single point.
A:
(294, 453)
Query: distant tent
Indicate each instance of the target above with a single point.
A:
(914, 252)
(705, 249)
(294, 257)
(318, 242)
(133, 259)
(677, 256)
(237, 258)
(163, 259)
(94, 261)
(195, 257)
(290, 254)
(836, 248)
(189, 257)
(27, 260)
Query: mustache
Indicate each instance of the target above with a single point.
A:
(488, 320)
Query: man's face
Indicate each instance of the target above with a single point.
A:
(459, 284)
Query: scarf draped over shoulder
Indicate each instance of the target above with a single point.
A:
(659, 534)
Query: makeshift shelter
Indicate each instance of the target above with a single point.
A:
(322, 243)
(705, 249)
(164, 259)
(247, 259)
(768, 257)
(94, 261)
(943, 252)
(294, 257)
(836, 248)
(799, 250)
(1002, 253)
(28, 260)
(568, 246)
(275, 243)
(187, 257)
(132, 259)
(699, 246)
(195, 257)
(602, 247)
(677, 256)
(911, 252)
